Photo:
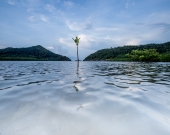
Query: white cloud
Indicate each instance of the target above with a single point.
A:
(50, 8)
(29, 10)
(133, 41)
(111, 41)
(67, 41)
(106, 29)
(164, 27)
(156, 17)
(38, 18)
(132, 36)
(68, 3)
(86, 40)
(50, 47)
(75, 26)
(11, 2)
(58, 49)
(32, 18)
(87, 25)
(129, 4)
(43, 18)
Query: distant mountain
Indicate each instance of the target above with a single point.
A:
(31, 53)
(118, 53)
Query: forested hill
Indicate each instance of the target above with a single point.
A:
(118, 52)
(31, 53)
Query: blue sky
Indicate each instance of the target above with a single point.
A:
(99, 23)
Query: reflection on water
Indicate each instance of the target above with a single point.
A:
(92, 98)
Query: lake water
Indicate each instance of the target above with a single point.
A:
(96, 98)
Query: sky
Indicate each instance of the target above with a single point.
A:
(99, 24)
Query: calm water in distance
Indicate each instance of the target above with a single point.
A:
(97, 98)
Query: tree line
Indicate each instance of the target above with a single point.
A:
(30, 53)
(121, 53)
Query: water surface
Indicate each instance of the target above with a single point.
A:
(97, 98)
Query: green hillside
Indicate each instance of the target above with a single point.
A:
(31, 53)
(119, 53)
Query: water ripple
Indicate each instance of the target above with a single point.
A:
(102, 98)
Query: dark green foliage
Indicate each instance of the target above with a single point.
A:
(165, 57)
(30, 53)
(146, 55)
(114, 53)
(121, 57)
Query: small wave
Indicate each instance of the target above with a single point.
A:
(117, 85)
(5, 88)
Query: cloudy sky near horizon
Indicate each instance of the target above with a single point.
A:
(99, 23)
